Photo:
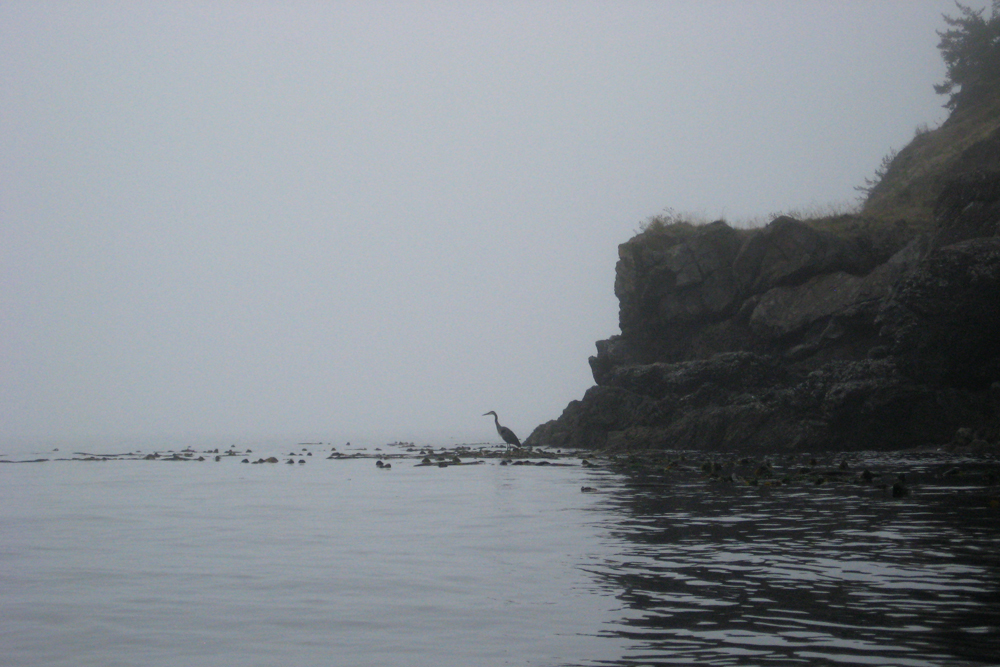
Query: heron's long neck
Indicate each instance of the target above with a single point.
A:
(496, 421)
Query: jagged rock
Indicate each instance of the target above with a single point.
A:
(587, 422)
(944, 318)
(682, 277)
(734, 370)
(782, 311)
(799, 343)
(789, 252)
(969, 207)
(740, 425)
(878, 284)
(611, 353)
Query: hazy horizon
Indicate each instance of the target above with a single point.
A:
(381, 220)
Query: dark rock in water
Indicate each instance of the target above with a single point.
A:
(794, 339)
(379, 464)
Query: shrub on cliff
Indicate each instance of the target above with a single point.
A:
(670, 221)
(971, 53)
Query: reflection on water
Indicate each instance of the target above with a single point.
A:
(158, 563)
(838, 573)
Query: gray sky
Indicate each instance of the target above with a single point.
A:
(335, 220)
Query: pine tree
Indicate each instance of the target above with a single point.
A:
(971, 52)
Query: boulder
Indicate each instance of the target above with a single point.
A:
(682, 276)
(968, 208)
(612, 353)
(783, 311)
(943, 319)
(789, 252)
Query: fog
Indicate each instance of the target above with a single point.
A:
(360, 220)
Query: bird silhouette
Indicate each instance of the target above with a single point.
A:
(505, 433)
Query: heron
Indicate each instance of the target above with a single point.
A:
(505, 433)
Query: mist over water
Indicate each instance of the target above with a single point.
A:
(308, 223)
(135, 562)
(385, 219)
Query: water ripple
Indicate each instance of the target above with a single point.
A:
(838, 574)
(138, 563)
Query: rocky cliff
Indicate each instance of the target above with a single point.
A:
(858, 332)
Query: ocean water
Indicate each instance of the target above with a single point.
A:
(338, 562)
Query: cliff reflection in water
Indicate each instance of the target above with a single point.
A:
(837, 573)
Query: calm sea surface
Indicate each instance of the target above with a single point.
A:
(337, 562)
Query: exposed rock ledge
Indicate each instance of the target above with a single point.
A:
(794, 338)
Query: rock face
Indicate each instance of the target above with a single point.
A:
(794, 338)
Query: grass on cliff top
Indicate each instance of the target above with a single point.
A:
(671, 222)
(831, 217)
(843, 220)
